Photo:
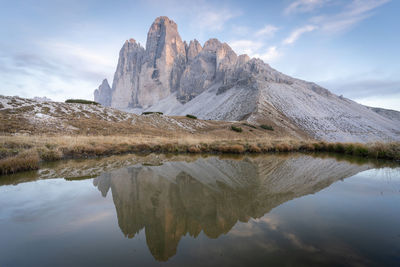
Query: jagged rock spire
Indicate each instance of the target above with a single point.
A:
(102, 95)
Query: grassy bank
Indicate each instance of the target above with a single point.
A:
(21, 153)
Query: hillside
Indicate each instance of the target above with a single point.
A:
(32, 117)
(212, 82)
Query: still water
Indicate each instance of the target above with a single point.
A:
(293, 210)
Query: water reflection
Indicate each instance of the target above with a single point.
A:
(210, 195)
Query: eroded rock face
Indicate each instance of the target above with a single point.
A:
(193, 50)
(168, 65)
(126, 78)
(145, 76)
(164, 62)
(102, 95)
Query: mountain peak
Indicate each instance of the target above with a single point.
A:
(165, 21)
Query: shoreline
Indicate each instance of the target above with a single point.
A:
(24, 153)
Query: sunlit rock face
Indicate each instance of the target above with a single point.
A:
(144, 76)
(210, 194)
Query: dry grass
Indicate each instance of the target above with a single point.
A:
(24, 161)
(25, 152)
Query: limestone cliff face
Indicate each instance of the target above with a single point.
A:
(145, 76)
(102, 95)
(164, 62)
(126, 78)
(167, 65)
(193, 50)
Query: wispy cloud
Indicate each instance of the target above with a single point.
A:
(248, 47)
(295, 35)
(267, 31)
(351, 14)
(56, 68)
(214, 20)
(203, 15)
(301, 6)
(255, 49)
(270, 55)
(356, 87)
(240, 30)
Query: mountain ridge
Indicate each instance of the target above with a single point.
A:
(213, 82)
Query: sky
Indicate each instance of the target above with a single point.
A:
(64, 49)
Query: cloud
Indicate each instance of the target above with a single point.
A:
(248, 47)
(352, 88)
(375, 92)
(68, 50)
(240, 30)
(255, 49)
(202, 15)
(267, 31)
(270, 55)
(351, 14)
(297, 33)
(56, 69)
(301, 6)
(214, 20)
(387, 101)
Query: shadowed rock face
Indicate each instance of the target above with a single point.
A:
(126, 79)
(103, 94)
(210, 195)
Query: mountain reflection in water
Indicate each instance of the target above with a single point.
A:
(210, 194)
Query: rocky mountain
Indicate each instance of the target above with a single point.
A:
(213, 82)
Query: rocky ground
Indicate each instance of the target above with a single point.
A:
(21, 116)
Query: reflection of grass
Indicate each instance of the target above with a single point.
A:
(20, 153)
(80, 178)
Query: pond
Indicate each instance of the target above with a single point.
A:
(177, 210)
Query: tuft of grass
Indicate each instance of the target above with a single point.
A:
(236, 129)
(266, 127)
(283, 147)
(194, 149)
(254, 149)
(339, 148)
(360, 150)
(50, 155)
(191, 116)
(152, 112)
(81, 101)
(24, 161)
